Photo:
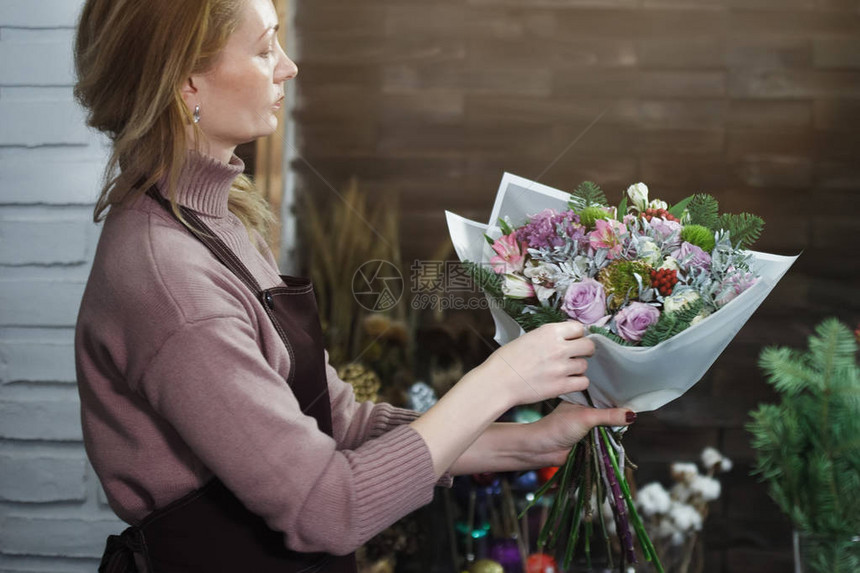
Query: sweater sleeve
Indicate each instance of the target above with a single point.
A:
(212, 383)
(355, 422)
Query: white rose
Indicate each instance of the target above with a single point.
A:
(676, 302)
(638, 195)
(649, 252)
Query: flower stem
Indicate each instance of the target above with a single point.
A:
(644, 540)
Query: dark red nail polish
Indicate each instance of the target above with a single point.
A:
(631, 416)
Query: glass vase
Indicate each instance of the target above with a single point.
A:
(817, 553)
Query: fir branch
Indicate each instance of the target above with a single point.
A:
(671, 323)
(531, 317)
(485, 279)
(808, 445)
(586, 195)
(787, 370)
(527, 316)
(703, 210)
(608, 334)
(744, 229)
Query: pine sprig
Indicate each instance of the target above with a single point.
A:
(527, 316)
(703, 210)
(671, 323)
(608, 334)
(808, 445)
(787, 370)
(744, 229)
(486, 279)
(535, 317)
(587, 194)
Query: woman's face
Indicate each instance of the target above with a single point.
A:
(240, 96)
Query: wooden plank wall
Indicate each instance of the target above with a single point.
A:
(754, 101)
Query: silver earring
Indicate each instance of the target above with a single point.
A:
(196, 114)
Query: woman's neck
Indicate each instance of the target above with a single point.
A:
(215, 149)
(222, 153)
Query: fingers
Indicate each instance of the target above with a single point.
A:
(580, 347)
(572, 335)
(575, 384)
(608, 416)
(576, 366)
(570, 329)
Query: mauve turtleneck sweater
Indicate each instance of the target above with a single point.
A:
(182, 375)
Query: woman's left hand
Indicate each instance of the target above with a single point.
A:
(553, 435)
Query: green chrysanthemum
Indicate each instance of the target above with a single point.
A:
(620, 282)
(700, 236)
(589, 215)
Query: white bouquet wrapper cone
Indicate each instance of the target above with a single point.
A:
(639, 378)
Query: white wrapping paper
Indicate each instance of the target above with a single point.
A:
(639, 378)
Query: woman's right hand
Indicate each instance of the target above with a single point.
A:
(544, 363)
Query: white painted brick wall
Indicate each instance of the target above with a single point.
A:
(53, 516)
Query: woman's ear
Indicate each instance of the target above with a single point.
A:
(189, 90)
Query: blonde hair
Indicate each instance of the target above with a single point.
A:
(131, 59)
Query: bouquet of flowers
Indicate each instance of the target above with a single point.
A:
(651, 281)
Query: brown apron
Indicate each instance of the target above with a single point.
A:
(209, 530)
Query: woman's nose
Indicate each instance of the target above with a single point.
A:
(287, 69)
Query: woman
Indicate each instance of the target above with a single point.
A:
(210, 414)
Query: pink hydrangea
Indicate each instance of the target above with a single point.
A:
(510, 257)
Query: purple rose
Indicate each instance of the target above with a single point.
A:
(690, 256)
(634, 319)
(585, 301)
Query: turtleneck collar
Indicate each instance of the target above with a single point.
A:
(204, 183)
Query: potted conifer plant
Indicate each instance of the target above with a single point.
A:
(808, 446)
